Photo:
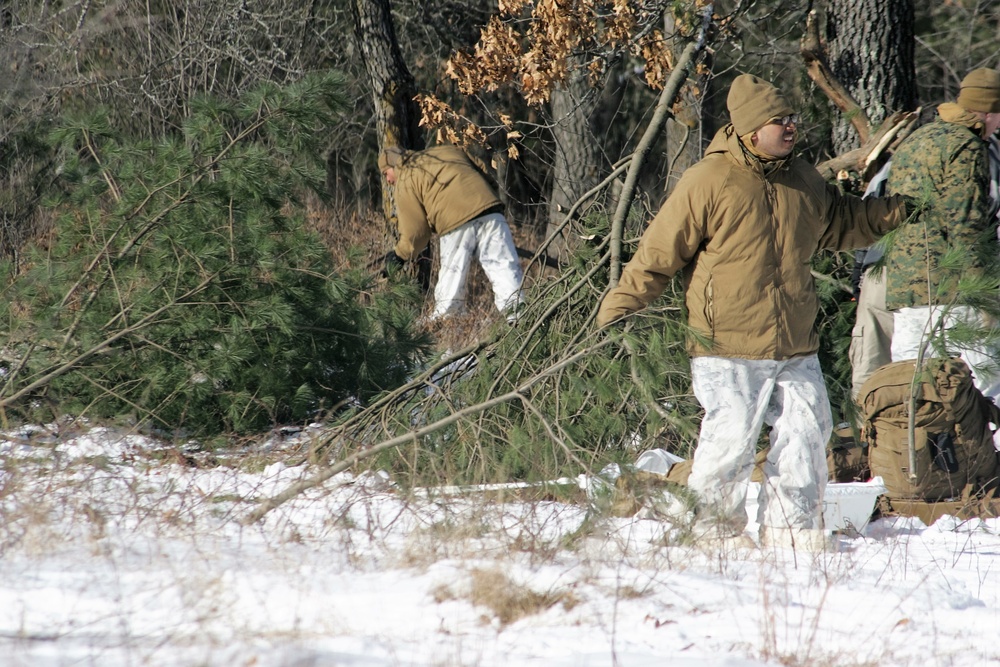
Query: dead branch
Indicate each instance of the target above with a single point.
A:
(814, 54)
(517, 394)
(891, 132)
(670, 91)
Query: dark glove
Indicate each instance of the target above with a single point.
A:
(913, 205)
(393, 262)
(423, 268)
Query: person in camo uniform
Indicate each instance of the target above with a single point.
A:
(741, 226)
(945, 165)
(871, 338)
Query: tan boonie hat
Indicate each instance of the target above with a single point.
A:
(980, 91)
(753, 102)
(389, 157)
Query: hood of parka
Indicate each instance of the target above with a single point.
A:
(951, 112)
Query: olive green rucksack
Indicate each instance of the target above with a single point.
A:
(953, 453)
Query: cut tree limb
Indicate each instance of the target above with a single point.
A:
(863, 160)
(814, 54)
(517, 394)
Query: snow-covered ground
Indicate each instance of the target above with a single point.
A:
(115, 553)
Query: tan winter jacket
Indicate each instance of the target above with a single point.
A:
(438, 190)
(744, 242)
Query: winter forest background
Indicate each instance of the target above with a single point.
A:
(192, 218)
(228, 439)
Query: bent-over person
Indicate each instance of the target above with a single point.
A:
(442, 191)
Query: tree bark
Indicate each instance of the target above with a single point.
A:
(577, 155)
(397, 115)
(393, 88)
(871, 54)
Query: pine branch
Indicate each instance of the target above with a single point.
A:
(73, 363)
(344, 464)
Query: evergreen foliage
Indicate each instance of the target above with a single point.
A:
(182, 289)
(835, 324)
(556, 396)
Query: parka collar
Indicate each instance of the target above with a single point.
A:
(950, 112)
(726, 141)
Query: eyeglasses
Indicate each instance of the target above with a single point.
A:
(785, 121)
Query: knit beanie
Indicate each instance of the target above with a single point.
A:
(752, 102)
(980, 91)
(390, 157)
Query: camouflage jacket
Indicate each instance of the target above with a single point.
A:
(944, 166)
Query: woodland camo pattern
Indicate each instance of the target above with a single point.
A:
(944, 166)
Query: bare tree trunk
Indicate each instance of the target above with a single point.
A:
(577, 156)
(871, 45)
(393, 88)
(397, 115)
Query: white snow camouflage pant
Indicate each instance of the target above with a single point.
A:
(740, 396)
(488, 238)
(910, 333)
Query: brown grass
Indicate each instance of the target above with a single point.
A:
(509, 601)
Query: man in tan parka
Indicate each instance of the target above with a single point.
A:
(742, 226)
(442, 191)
